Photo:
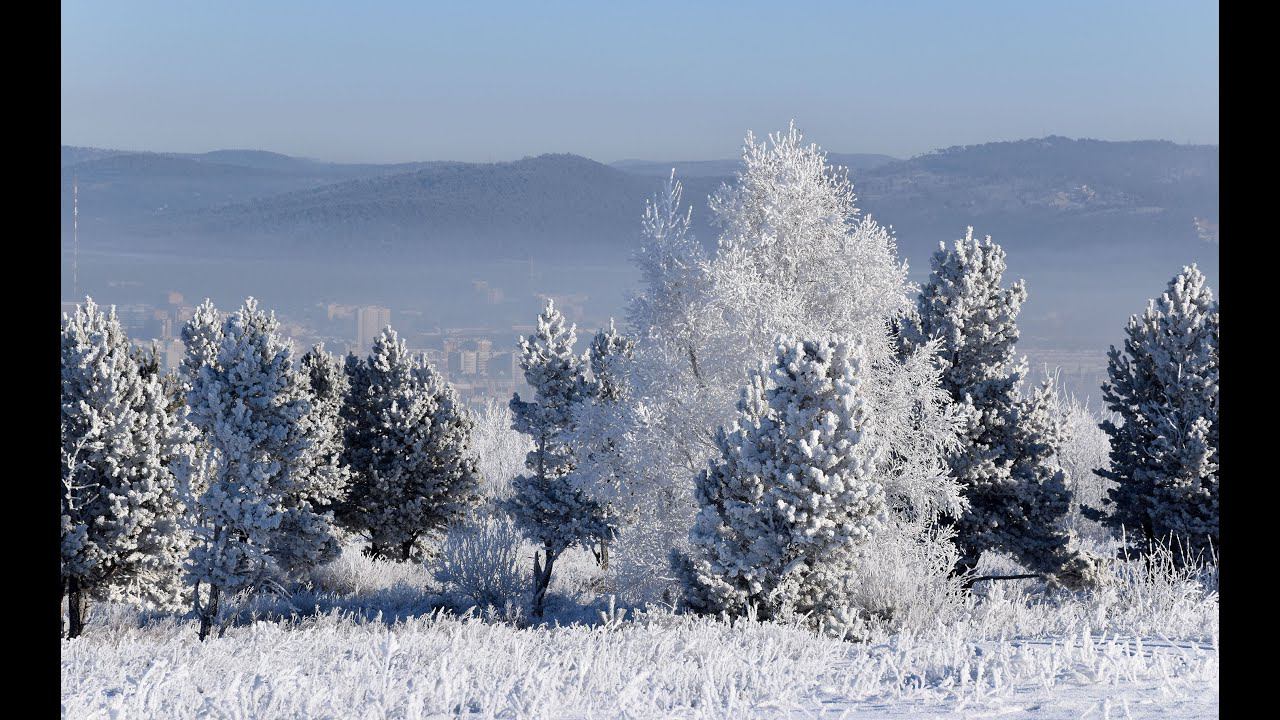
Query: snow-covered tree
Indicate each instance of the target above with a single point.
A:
(123, 534)
(794, 492)
(597, 433)
(252, 409)
(1164, 450)
(794, 257)
(408, 447)
(500, 448)
(548, 509)
(1016, 492)
(1085, 448)
(307, 535)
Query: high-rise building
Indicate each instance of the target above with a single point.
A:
(370, 321)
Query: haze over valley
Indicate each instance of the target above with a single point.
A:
(1094, 227)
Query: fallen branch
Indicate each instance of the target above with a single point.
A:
(970, 583)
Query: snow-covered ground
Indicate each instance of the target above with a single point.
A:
(333, 667)
(1138, 649)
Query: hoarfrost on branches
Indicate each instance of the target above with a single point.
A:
(794, 257)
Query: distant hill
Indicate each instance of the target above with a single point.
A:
(564, 201)
(242, 200)
(1094, 227)
(727, 168)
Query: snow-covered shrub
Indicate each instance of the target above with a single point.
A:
(906, 583)
(482, 559)
(500, 450)
(1083, 450)
(358, 576)
(1152, 594)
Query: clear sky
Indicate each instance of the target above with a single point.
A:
(480, 81)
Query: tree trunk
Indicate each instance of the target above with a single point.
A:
(602, 556)
(406, 549)
(541, 580)
(76, 609)
(210, 612)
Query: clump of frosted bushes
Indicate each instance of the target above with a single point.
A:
(481, 561)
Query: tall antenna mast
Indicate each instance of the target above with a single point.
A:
(75, 237)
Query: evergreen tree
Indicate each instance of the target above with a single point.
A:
(549, 509)
(123, 534)
(1164, 452)
(252, 409)
(597, 433)
(408, 447)
(1016, 492)
(307, 535)
(794, 492)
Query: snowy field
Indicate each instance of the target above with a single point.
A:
(1146, 646)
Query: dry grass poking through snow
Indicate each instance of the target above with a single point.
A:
(1145, 646)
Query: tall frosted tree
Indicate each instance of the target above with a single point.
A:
(1164, 449)
(793, 493)
(408, 447)
(256, 527)
(123, 533)
(307, 535)
(549, 509)
(597, 433)
(795, 257)
(1016, 492)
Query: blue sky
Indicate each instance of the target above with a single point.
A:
(482, 81)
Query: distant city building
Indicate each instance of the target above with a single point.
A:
(171, 352)
(370, 321)
(462, 362)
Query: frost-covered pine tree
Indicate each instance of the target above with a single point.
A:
(123, 534)
(1016, 492)
(597, 435)
(1164, 450)
(408, 447)
(794, 493)
(548, 509)
(794, 257)
(252, 409)
(307, 536)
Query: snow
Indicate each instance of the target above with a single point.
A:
(664, 666)
(371, 640)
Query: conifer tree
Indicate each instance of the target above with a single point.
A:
(307, 535)
(794, 491)
(255, 527)
(123, 534)
(597, 434)
(1164, 450)
(408, 447)
(548, 509)
(1007, 468)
